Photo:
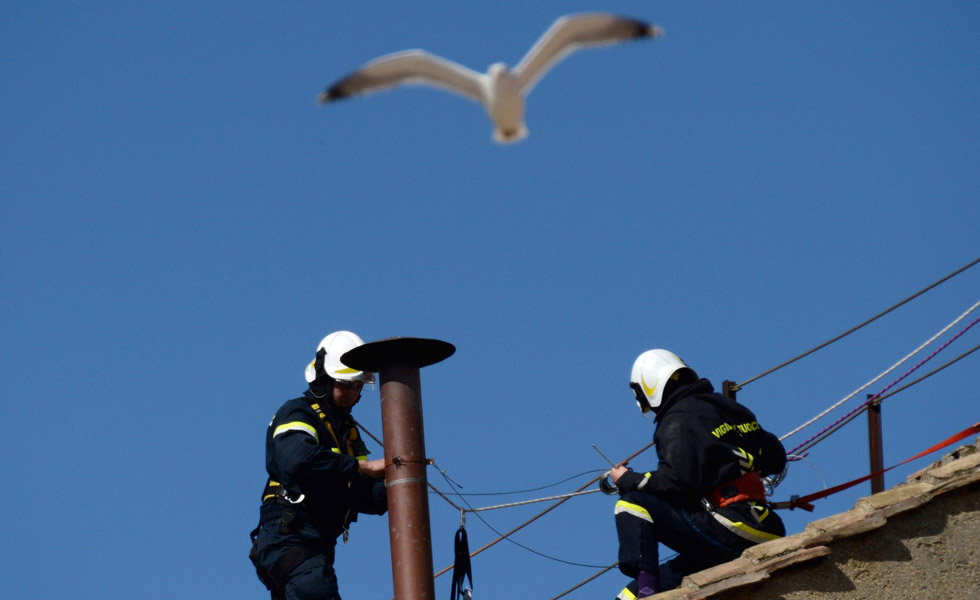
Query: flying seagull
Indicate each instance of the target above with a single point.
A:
(501, 90)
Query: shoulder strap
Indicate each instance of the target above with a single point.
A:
(352, 446)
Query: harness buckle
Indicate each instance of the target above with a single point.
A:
(283, 494)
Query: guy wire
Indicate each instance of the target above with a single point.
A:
(603, 571)
(739, 386)
(890, 369)
(877, 399)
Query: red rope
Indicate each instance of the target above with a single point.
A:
(805, 501)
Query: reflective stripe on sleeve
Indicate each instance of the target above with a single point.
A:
(644, 481)
(633, 509)
(296, 426)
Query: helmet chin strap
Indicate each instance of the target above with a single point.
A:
(641, 399)
(322, 387)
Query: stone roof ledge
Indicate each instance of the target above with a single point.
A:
(758, 564)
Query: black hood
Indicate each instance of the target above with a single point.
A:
(701, 386)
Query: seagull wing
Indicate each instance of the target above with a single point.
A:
(411, 67)
(571, 32)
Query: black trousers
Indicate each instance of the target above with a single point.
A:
(644, 521)
(312, 579)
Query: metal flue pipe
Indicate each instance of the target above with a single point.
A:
(397, 362)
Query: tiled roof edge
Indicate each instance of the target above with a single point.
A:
(955, 470)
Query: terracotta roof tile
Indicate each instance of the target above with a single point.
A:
(759, 563)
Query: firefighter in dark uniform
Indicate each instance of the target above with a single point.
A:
(319, 479)
(706, 499)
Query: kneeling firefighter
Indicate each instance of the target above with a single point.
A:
(706, 499)
(319, 479)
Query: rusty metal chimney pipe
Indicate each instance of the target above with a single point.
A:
(397, 362)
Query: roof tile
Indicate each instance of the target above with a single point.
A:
(756, 565)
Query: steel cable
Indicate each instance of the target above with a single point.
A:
(875, 399)
(739, 386)
(887, 371)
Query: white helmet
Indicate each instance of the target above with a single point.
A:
(652, 370)
(328, 355)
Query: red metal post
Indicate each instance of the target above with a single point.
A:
(397, 362)
(876, 449)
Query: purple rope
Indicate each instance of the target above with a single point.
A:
(882, 392)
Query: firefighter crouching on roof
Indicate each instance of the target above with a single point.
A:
(319, 479)
(705, 500)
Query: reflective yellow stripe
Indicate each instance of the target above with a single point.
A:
(352, 435)
(296, 426)
(746, 460)
(633, 509)
(332, 434)
(741, 529)
(644, 481)
(271, 484)
(361, 457)
(626, 594)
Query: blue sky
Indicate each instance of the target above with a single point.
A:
(182, 223)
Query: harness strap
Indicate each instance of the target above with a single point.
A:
(746, 487)
(353, 436)
(275, 578)
(288, 562)
(462, 569)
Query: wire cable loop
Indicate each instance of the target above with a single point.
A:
(518, 544)
(542, 513)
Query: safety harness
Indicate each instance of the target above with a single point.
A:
(746, 487)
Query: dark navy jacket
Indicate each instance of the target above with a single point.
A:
(313, 450)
